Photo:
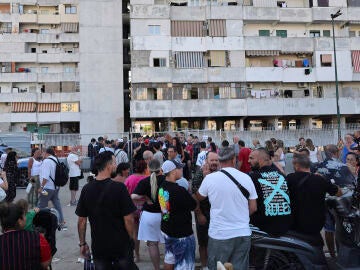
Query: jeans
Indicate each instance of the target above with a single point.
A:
(53, 196)
(234, 250)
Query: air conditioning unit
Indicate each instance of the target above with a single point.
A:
(249, 85)
(302, 85)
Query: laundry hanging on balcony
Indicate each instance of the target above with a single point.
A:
(355, 55)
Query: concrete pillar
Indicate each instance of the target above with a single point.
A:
(343, 122)
(168, 121)
(274, 123)
(205, 124)
(241, 125)
(307, 122)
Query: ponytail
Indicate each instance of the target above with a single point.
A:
(154, 185)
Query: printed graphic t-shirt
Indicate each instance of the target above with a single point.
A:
(274, 213)
(176, 205)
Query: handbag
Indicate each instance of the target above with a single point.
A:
(81, 176)
(29, 187)
(89, 263)
(2, 194)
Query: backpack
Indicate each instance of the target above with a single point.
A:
(61, 173)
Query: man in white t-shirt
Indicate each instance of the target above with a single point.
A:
(200, 161)
(74, 163)
(229, 231)
(4, 156)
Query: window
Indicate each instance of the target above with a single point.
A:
(323, 3)
(217, 28)
(44, 31)
(326, 33)
(352, 34)
(264, 33)
(33, 50)
(194, 94)
(44, 51)
(154, 29)
(70, 107)
(159, 62)
(189, 59)
(70, 9)
(281, 33)
(44, 69)
(191, 28)
(314, 33)
(326, 60)
(5, 27)
(68, 69)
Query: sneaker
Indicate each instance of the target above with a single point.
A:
(54, 259)
(63, 228)
(74, 203)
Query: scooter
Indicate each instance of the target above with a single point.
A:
(292, 251)
(346, 210)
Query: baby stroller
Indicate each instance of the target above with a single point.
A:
(46, 222)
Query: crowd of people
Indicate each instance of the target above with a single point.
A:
(145, 190)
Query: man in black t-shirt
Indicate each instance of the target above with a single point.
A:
(109, 208)
(307, 196)
(176, 205)
(274, 213)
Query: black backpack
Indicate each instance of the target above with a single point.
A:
(61, 173)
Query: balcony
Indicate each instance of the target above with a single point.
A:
(261, 14)
(58, 57)
(69, 18)
(326, 44)
(150, 74)
(297, 44)
(353, 13)
(55, 117)
(22, 37)
(48, 19)
(186, 75)
(18, 57)
(262, 43)
(295, 15)
(278, 74)
(226, 74)
(150, 11)
(5, 17)
(244, 107)
(40, 97)
(58, 77)
(18, 77)
(57, 38)
(28, 18)
(322, 14)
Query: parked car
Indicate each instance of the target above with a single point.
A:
(23, 167)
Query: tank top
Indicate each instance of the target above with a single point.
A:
(35, 169)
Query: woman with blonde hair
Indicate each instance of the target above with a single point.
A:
(150, 221)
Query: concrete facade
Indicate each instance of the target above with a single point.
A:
(101, 76)
(39, 56)
(245, 57)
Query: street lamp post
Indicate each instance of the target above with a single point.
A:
(333, 16)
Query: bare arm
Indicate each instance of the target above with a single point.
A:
(82, 221)
(4, 185)
(252, 206)
(30, 164)
(129, 224)
(199, 197)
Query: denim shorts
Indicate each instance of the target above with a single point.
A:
(329, 225)
(180, 252)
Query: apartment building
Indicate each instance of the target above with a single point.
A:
(39, 57)
(42, 43)
(243, 64)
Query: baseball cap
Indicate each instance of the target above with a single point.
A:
(170, 165)
(146, 141)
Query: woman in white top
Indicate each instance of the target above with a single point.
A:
(279, 153)
(33, 175)
(3, 185)
(314, 153)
